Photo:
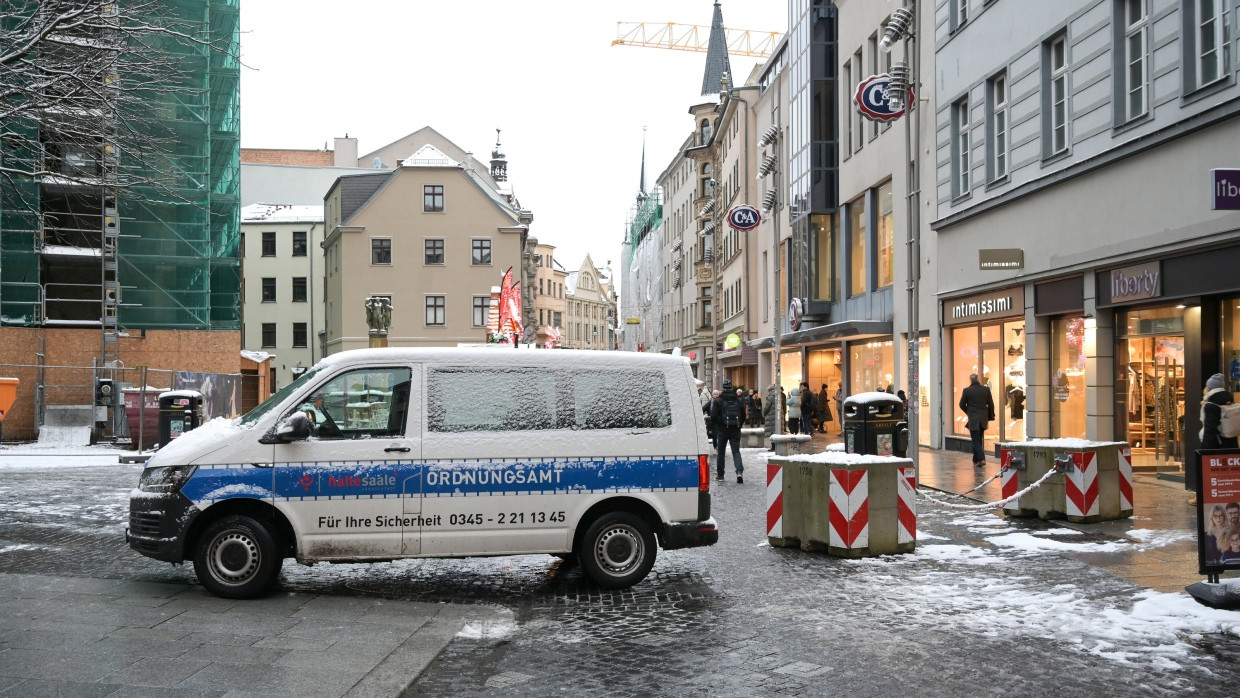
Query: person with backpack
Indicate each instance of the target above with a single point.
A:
(728, 414)
(794, 411)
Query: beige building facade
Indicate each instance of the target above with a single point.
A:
(433, 234)
(589, 321)
(550, 300)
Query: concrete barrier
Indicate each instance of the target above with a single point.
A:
(789, 444)
(1096, 484)
(754, 437)
(846, 504)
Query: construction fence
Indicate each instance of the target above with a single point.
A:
(44, 387)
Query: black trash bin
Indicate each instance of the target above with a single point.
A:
(874, 424)
(179, 412)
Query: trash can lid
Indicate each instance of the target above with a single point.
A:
(180, 393)
(873, 397)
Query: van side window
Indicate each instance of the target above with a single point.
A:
(498, 399)
(611, 399)
(516, 399)
(365, 403)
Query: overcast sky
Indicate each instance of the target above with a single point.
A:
(571, 105)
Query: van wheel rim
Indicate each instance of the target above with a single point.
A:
(619, 550)
(234, 558)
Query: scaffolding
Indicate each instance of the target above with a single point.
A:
(137, 226)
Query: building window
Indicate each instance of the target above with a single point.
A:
(482, 307)
(1132, 75)
(1209, 41)
(1055, 101)
(706, 316)
(269, 244)
(847, 85)
(432, 198)
(856, 246)
(708, 184)
(997, 163)
(960, 147)
(480, 251)
(269, 334)
(380, 251)
(299, 335)
(434, 250)
(435, 310)
(269, 289)
(299, 243)
(884, 239)
(860, 124)
(299, 289)
(704, 132)
(959, 13)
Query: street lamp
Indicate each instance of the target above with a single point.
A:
(903, 77)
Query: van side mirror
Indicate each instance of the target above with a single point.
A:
(295, 427)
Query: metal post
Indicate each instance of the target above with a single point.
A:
(777, 261)
(141, 406)
(714, 279)
(912, 210)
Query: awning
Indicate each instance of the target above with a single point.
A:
(848, 330)
(744, 355)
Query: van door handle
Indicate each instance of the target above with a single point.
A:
(396, 449)
(262, 465)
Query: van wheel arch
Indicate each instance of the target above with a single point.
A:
(629, 504)
(264, 512)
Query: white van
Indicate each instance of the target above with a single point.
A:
(378, 454)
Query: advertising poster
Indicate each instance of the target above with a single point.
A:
(1218, 513)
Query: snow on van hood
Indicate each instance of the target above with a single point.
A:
(195, 442)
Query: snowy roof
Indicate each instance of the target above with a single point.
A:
(428, 156)
(282, 213)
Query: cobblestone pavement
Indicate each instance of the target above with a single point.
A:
(979, 608)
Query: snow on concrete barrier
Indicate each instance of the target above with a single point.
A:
(1092, 482)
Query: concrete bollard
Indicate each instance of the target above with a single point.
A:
(1096, 484)
(846, 504)
(789, 444)
(754, 437)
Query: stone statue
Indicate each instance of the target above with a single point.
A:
(378, 314)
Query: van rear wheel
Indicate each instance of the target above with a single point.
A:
(617, 550)
(237, 558)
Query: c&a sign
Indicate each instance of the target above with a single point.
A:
(744, 217)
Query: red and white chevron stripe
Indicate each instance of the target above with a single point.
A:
(850, 509)
(774, 500)
(1011, 484)
(1125, 479)
(1080, 485)
(906, 509)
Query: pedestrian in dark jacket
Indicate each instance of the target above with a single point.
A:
(728, 414)
(770, 411)
(708, 410)
(755, 413)
(808, 404)
(1215, 395)
(824, 409)
(979, 406)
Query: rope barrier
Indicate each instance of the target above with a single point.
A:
(988, 481)
(1000, 503)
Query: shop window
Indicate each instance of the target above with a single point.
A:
(965, 359)
(1067, 375)
(856, 247)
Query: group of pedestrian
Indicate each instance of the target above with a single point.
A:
(808, 411)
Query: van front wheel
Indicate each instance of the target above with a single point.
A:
(617, 550)
(237, 558)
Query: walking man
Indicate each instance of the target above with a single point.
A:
(979, 407)
(728, 414)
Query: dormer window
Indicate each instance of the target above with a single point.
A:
(704, 132)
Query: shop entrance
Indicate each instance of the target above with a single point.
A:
(1149, 385)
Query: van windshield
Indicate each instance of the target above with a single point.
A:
(277, 397)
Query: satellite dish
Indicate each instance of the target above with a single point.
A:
(377, 164)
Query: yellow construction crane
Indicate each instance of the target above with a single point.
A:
(692, 37)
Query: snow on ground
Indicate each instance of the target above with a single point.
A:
(34, 456)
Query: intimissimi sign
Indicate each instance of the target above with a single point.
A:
(1004, 303)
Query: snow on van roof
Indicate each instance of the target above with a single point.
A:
(491, 357)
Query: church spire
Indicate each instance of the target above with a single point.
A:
(716, 55)
(499, 164)
(641, 186)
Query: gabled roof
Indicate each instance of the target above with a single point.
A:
(428, 156)
(356, 190)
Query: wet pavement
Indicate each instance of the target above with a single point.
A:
(985, 605)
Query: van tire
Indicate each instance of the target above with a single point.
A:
(617, 550)
(237, 558)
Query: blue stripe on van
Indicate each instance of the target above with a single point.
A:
(366, 479)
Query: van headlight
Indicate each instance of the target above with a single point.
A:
(168, 478)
